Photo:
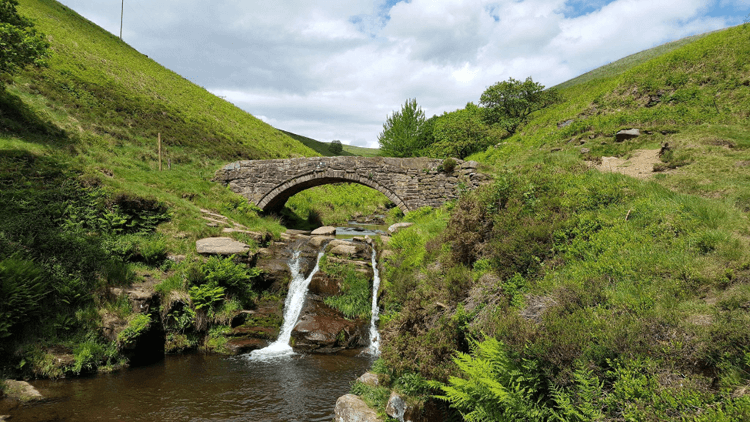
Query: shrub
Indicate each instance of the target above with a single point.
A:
(206, 295)
(449, 164)
(497, 386)
(136, 326)
(21, 288)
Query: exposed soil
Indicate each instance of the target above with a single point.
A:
(640, 164)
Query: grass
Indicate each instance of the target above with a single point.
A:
(321, 148)
(77, 145)
(362, 151)
(604, 290)
(626, 63)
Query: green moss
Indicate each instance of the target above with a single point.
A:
(136, 326)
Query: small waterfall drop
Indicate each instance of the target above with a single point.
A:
(295, 299)
(374, 348)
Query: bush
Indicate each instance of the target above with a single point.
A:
(206, 295)
(22, 287)
(449, 164)
(136, 326)
(335, 147)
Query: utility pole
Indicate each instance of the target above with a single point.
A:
(122, 12)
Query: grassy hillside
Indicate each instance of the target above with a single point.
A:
(322, 147)
(85, 207)
(362, 151)
(98, 86)
(559, 292)
(626, 63)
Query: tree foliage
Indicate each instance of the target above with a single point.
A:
(20, 43)
(509, 103)
(460, 133)
(401, 131)
(335, 147)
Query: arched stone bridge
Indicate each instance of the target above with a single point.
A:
(410, 183)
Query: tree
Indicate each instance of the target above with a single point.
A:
(335, 147)
(460, 133)
(20, 43)
(509, 103)
(401, 131)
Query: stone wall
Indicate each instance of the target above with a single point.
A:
(411, 183)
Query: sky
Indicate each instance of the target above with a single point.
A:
(336, 69)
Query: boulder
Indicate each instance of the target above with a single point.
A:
(220, 246)
(624, 135)
(324, 231)
(396, 407)
(22, 391)
(238, 346)
(368, 378)
(343, 250)
(322, 284)
(321, 329)
(318, 241)
(395, 228)
(351, 408)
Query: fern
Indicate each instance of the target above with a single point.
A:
(496, 386)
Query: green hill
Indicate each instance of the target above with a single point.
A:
(567, 290)
(321, 148)
(84, 205)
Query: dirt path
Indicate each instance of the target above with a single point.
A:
(640, 164)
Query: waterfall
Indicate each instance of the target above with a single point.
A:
(295, 299)
(374, 348)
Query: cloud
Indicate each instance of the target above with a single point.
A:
(335, 70)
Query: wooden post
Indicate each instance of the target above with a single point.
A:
(122, 12)
(159, 137)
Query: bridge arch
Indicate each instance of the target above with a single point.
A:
(275, 199)
(411, 183)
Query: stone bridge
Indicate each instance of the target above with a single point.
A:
(410, 183)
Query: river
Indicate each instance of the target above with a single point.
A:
(197, 387)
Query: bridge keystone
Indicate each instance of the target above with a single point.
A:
(410, 183)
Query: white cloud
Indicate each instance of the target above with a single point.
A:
(335, 70)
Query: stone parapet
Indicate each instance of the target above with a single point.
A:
(411, 183)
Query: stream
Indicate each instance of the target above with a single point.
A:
(272, 384)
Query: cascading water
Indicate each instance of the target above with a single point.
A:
(374, 348)
(295, 299)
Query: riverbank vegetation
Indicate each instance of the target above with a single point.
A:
(562, 292)
(92, 211)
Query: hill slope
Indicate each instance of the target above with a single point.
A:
(98, 84)
(562, 292)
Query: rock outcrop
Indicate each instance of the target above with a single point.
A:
(351, 408)
(220, 246)
(324, 231)
(624, 135)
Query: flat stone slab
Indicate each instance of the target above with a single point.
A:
(324, 231)
(624, 135)
(344, 250)
(318, 241)
(220, 246)
(351, 408)
(399, 226)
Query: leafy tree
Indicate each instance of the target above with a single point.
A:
(509, 103)
(460, 133)
(20, 44)
(401, 131)
(335, 147)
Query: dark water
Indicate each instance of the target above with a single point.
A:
(203, 388)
